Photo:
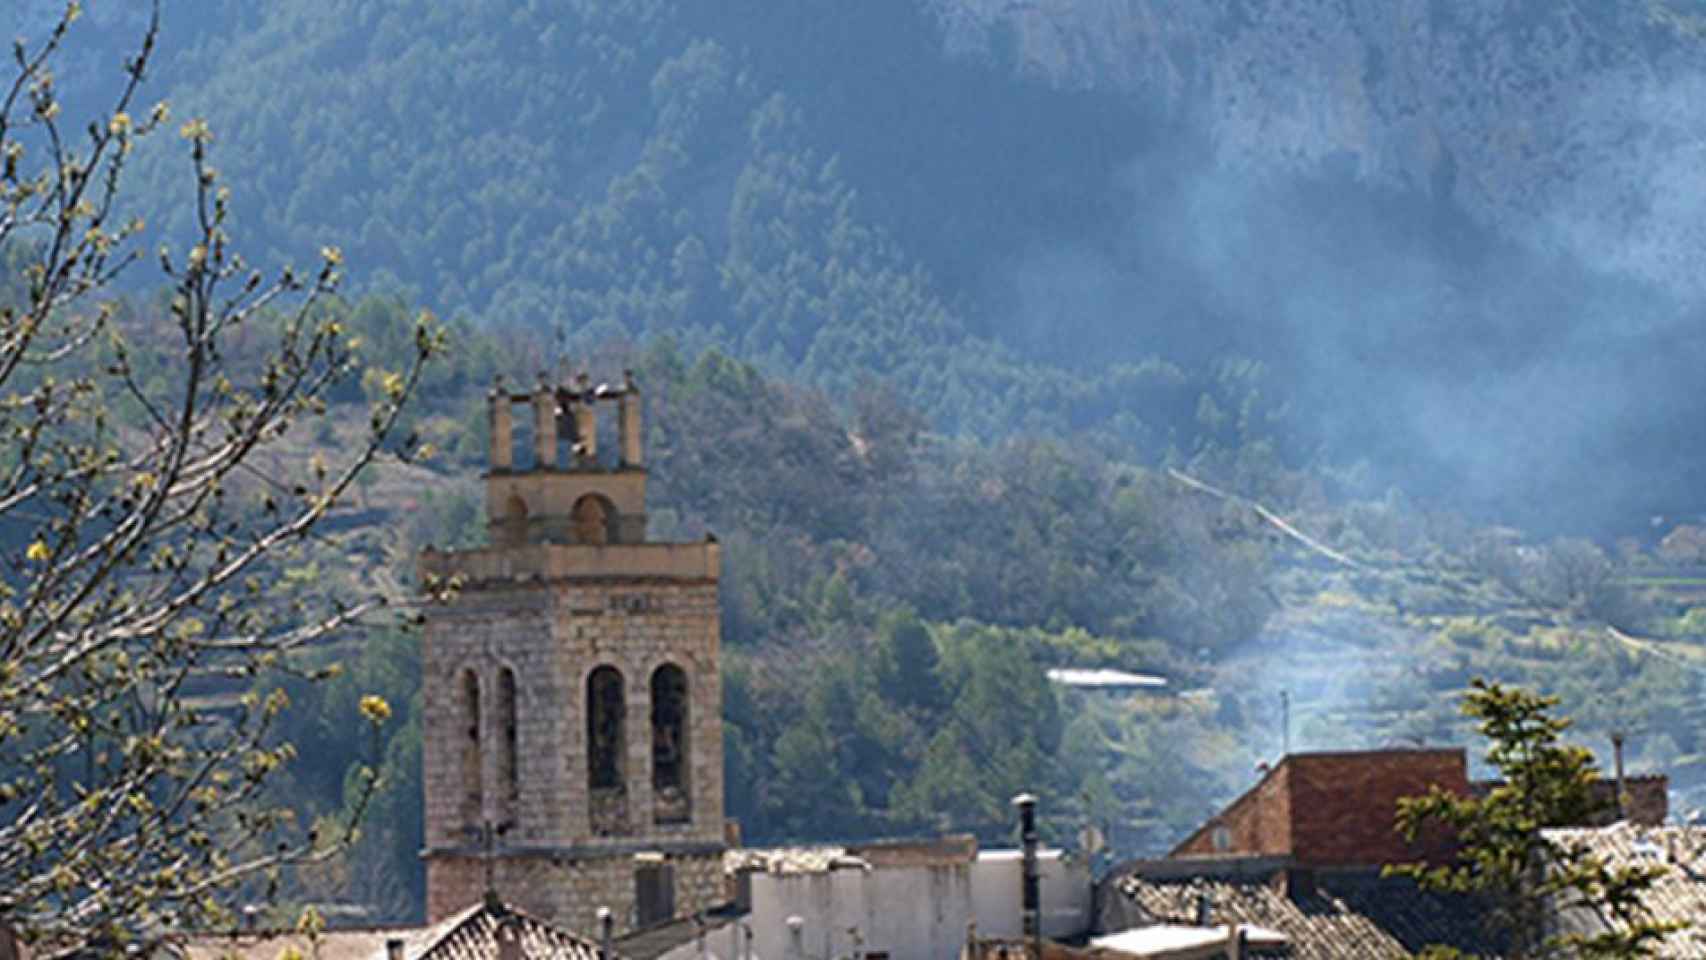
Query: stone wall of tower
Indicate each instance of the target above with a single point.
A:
(551, 636)
(569, 892)
(547, 772)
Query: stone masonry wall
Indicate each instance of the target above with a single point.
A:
(568, 892)
(553, 635)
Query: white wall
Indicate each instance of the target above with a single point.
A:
(913, 913)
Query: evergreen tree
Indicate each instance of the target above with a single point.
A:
(1503, 853)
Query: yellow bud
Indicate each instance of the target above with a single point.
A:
(375, 709)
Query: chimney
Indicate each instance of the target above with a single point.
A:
(586, 422)
(743, 888)
(796, 939)
(544, 427)
(628, 421)
(503, 433)
(1617, 754)
(1031, 891)
(11, 945)
(1237, 941)
(394, 948)
(606, 933)
(509, 939)
(1299, 882)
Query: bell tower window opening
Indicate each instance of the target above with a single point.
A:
(605, 751)
(604, 728)
(509, 780)
(472, 793)
(670, 744)
(592, 519)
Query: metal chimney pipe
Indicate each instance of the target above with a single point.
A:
(796, 938)
(1617, 754)
(1031, 891)
(606, 933)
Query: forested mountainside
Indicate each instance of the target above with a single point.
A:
(847, 190)
(943, 309)
(893, 597)
(1569, 120)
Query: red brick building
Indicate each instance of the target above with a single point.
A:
(1339, 809)
(1330, 809)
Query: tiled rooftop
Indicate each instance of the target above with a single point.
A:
(937, 851)
(1680, 894)
(473, 935)
(469, 935)
(784, 859)
(1335, 915)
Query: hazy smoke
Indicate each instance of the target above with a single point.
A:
(1531, 357)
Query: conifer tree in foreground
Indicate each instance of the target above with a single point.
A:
(1504, 857)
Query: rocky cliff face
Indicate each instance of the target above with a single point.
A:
(1571, 125)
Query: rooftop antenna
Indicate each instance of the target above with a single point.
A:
(1285, 723)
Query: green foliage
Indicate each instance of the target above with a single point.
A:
(1503, 853)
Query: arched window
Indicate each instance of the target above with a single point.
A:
(670, 744)
(605, 751)
(604, 710)
(509, 780)
(472, 798)
(591, 520)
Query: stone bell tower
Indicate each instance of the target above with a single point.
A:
(573, 738)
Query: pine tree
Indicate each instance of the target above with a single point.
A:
(1505, 857)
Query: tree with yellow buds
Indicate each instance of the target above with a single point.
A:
(131, 811)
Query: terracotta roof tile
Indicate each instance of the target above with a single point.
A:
(1340, 915)
(784, 859)
(468, 935)
(1679, 894)
(473, 935)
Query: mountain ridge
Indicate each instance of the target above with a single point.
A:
(1564, 124)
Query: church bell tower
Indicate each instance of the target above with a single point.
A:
(572, 739)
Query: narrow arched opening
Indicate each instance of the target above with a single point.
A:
(606, 774)
(509, 773)
(670, 704)
(473, 798)
(593, 520)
